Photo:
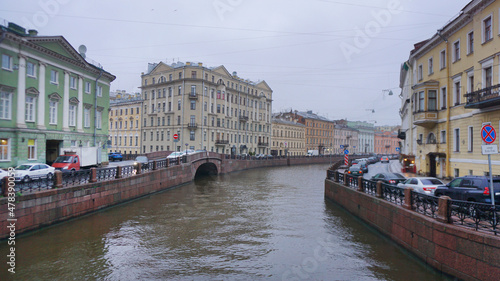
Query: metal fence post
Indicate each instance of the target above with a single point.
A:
(119, 172)
(139, 169)
(346, 179)
(58, 175)
(443, 209)
(380, 192)
(93, 175)
(155, 165)
(408, 198)
(361, 188)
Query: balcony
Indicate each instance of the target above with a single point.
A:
(221, 142)
(426, 119)
(263, 144)
(192, 126)
(484, 98)
(243, 118)
(193, 96)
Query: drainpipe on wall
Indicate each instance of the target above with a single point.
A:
(95, 107)
(448, 106)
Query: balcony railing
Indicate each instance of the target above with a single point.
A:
(486, 97)
(221, 142)
(193, 96)
(243, 118)
(263, 144)
(192, 125)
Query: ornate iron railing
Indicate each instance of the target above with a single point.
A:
(370, 187)
(393, 194)
(34, 185)
(483, 94)
(146, 167)
(173, 161)
(128, 171)
(352, 180)
(162, 163)
(75, 177)
(475, 215)
(106, 174)
(425, 204)
(330, 174)
(341, 177)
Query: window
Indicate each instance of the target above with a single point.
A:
(31, 69)
(470, 42)
(72, 114)
(5, 105)
(4, 149)
(443, 98)
(72, 82)
(53, 112)
(178, 120)
(99, 91)
(179, 92)
(487, 72)
(456, 51)
(31, 149)
(193, 74)
(442, 59)
(456, 97)
(191, 136)
(470, 137)
(30, 109)
(470, 79)
(431, 100)
(87, 87)
(487, 32)
(456, 140)
(179, 105)
(6, 62)
(421, 101)
(54, 77)
(193, 105)
(86, 118)
(431, 65)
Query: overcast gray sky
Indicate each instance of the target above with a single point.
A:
(333, 57)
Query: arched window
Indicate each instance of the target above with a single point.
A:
(431, 138)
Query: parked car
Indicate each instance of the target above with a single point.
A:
(141, 159)
(390, 178)
(354, 161)
(175, 155)
(355, 170)
(3, 174)
(364, 166)
(115, 156)
(373, 159)
(471, 188)
(30, 171)
(384, 159)
(425, 185)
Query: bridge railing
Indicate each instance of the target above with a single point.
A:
(478, 216)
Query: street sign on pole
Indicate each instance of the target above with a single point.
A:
(341, 146)
(346, 152)
(176, 136)
(488, 134)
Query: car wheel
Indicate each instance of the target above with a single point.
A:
(50, 176)
(26, 178)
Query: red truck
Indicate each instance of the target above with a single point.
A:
(73, 159)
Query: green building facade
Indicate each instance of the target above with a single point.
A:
(49, 99)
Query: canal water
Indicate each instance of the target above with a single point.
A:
(261, 224)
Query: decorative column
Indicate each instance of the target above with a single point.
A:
(79, 120)
(66, 102)
(41, 96)
(21, 92)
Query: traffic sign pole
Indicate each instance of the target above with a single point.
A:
(489, 135)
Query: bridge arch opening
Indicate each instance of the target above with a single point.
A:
(206, 169)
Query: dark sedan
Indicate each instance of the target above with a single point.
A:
(390, 178)
(355, 170)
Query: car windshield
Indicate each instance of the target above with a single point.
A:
(173, 154)
(63, 159)
(431, 181)
(399, 176)
(357, 166)
(23, 167)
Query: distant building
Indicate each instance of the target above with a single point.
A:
(319, 130)
(50, 98)
(365, 135)
(206, 107)
(288, 137)
(125, 116)
(345, 138)
(386, 142)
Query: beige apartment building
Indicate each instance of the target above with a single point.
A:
(453, 89)
(206, 108)
(288, 138)
(125, 113)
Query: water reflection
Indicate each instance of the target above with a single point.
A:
(265, 224)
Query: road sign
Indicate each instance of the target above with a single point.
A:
(346, 160)
(341, 146)
(346, 152)
(397, 148)
(488, 134)
(176, 136)
(489, 149)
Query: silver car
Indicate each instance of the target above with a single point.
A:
(425, 185)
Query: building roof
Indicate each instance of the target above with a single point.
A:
(310, 115)
(286, 122)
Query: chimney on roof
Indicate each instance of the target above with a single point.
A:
(200, 64)
(33, 32)
(188, 63)
(235, 74)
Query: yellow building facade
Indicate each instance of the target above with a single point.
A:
(288, 138)
(125, 125)
(455, 90)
